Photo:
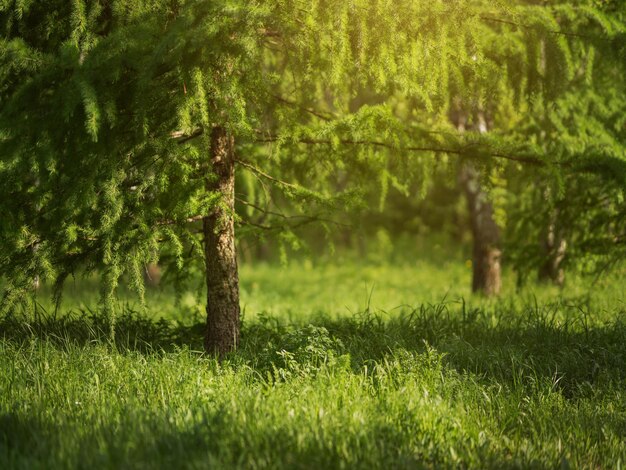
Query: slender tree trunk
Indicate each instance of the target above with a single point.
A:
(486, 275)
(554, 247)
(486, 253)
(222, 279)
(152, 274)
(263, 252)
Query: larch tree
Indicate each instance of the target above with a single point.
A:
(541, 63)
(122, 123)
(486, 115)
(576, 120)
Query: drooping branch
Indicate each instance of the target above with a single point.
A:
(307, 220)
(182, 138)
(466, 151)
(301, 217)
(188, 220)
(325, 117)
(549, 31)
(268, 177)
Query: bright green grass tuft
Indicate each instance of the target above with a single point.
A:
(328, 375)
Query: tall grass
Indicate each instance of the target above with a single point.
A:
(328, 375)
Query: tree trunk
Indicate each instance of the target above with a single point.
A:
(486, 253)
(486, 276)
(554, 247)
(152, 274)
(222, 279)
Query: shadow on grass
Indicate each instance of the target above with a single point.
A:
(133, 331)
(509, 348)
(19, 433)
(215, 438)
(500, 345)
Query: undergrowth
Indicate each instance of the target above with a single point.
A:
(525, 381)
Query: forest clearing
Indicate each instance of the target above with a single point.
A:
(312, 234)
(322, 380)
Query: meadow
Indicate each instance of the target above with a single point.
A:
(341, 365)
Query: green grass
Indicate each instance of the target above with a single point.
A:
(329, 375)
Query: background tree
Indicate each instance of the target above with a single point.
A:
(539, 60)
(578, 125)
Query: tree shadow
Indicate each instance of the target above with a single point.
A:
(495, 345)
(491, 346)
(216, 438)
(133, 331)
(25, 441)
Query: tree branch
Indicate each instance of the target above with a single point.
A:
(327, 117)
(260, 172)
(307, 218)
(182, 138)
(189, 220)
(466, 151)
(525, 26)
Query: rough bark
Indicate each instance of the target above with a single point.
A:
(486, 275)
(554, 247)
(222, 279)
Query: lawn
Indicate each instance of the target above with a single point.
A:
(346, 365)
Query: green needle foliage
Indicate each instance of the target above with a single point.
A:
(107, 109)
